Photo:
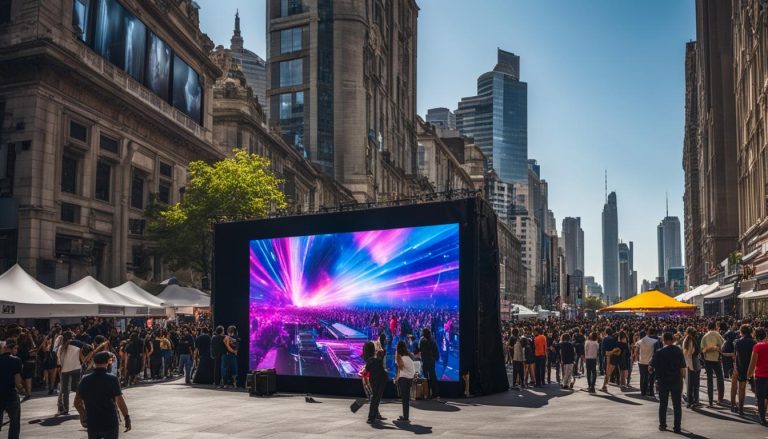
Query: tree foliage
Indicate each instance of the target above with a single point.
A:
(235, 188)
(593, 302)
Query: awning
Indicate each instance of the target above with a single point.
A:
(707, 290)
(727, 291)
(751, 255)
(751, 294)
(688, 294)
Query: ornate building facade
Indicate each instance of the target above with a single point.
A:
(750, 76)
(94, 122)
(691, 204)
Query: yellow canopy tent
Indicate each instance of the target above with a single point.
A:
(653, 301)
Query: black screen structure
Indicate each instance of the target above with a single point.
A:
(480, 354)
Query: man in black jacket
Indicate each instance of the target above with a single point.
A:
(10, 382)
(217, 352)
(378, 379)
(668, 364)
(429, 356)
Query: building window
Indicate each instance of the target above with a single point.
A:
(70, 213)
(5, 11)
(136, 226)
(81, 15)
(290, 40)
(291, 105)
(109, 144)
(166, 170)
(78, 131)
(137, 190)
(164, 192)
(103, 180)
(69, 167)
(291, 7)
(291, 72)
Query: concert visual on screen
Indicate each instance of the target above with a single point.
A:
(315, 300)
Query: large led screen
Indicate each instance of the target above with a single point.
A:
(314, 300)
(158, 77)
(187, 92)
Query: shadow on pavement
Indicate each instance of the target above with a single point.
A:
(380, 426)
(434, 406)
(413, 428)
(525, 398)
(711, 414)
(614, 398)
(54, 420)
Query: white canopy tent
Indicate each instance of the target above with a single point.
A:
(138, 294)
(23, 297)
(178, 296)
(110, 303)
(523, 313)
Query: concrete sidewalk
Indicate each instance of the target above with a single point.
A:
(173, 410)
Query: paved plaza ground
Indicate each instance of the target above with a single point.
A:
(174, 410)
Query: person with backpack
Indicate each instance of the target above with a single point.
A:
(429, 355)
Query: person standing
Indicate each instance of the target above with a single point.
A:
(374, 366)
(540, 356)
(185, 348)
(590, 354)
(166, 350)
(758, 369)
(578, 343)
(217, 352)
(204, 374)
(229, 363)
(692, 353)
(646, 347)
(429, 354)
(553, 357)
(518, 361)
(744, 346)
(404, 379)
(612, 351)
(71, 360)
(568, 358)
(711, 345)
(10, 384)
(97, 400)
(668, 364)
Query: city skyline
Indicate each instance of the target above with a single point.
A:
(607, 97)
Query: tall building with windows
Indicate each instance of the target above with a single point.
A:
(252, 65)
(441, 117)
(691, 197)
(497, 118)
(627, 273)
(91, 134)
(611, 249)
(750, 49)
(668, 245)
(573, 235)
(341, 88)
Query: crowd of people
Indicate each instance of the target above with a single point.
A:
(59, 360)
(670, 354)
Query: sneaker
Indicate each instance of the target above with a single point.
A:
(370, 421)
(402, 419)
(381, 418)
(662, 428)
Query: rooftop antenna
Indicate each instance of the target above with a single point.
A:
(606, 185)
(667, 203)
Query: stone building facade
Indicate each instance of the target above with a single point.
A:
(341, 86)
(92, 126)
(437, 163)
(239, 122)
(691, 204)
(750, 76)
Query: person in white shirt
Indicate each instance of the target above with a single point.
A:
(591, 347)
(70, 359)
(646, 347)
(404, 379)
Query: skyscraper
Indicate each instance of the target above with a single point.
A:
(573, 235)
(253, 66)
(441, 117)
(669, 247)
(497, 118)
(627, 273)
(611, 248)
(341, 85)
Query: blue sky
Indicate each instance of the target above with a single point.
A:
(606, 90)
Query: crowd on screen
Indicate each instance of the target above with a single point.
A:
(670, 354)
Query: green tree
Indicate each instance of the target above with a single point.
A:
(593, 302)
(235, 188)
